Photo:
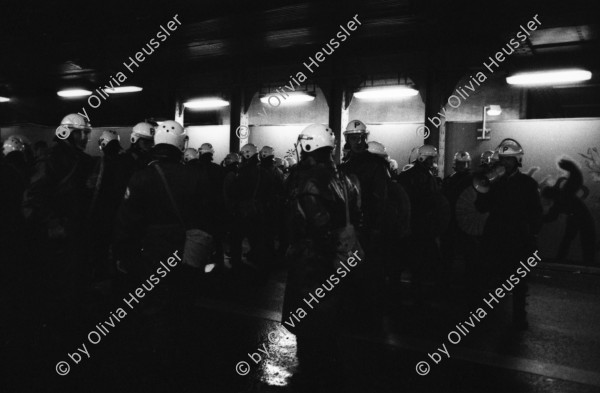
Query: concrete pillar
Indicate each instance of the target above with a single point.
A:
(336, 110)
(179, 109)
(434, 132)
(237, 125)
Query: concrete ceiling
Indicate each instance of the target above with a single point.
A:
(230, 44)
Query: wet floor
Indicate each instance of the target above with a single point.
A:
(236, 330)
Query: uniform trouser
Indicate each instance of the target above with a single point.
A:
(448, 249)
(366, 282)
(318, 337)
(165, 312)
(502, 265)
(423, 254)
(253, 229)
(397, 260)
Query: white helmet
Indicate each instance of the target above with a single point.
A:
(487, 157)
(206, 148)
(316, 136)
(12, 143)
(266, 151)
(232, 158)
(171, 133)
(356, 127)
(377, 149)
(281, 163)
(190, 154)
(141, 130)
(248, 150)
(511, 148)
(426, 151)
(71, 122)
(291, 161)
(462, 156)
(107, 136)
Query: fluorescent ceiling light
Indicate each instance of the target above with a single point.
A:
(276, 99)
(123, 89)
(494, 110)
(386, 93)
(71, 93)
(549, 77)
(206, 103)
(4, 99)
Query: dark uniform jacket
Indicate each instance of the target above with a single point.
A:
(255, 189)
(59, 190)
(14, 179)
(215, 174)
(430, 212)
(452, 187)
(147, 219)
(374, 177)
(515, 215)
(135, 159)
(317, 211)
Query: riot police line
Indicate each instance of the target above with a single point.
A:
(115, 217)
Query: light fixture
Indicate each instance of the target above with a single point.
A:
(276, 99)
(385, 93)
(73, 93)
(4, 99)
(554, 77)
(493, 110)
(123, 89)
(483, 133)
(201, 104)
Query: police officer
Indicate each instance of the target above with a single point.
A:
(274, 200)
(487, 159)
(214, 174)
(430, 213)
(291, 163)
(56, 206)
(58, 197)
(214, 171)
(190, 156)
(14, 178)
(142, 141)
(249, 216)
(454, 239)
(254, 188)
(281, 164)
(230, 164)
(515, 217)
(373, 175)
(109, 182)
(368, 164)
(320, 198)
(150, 228)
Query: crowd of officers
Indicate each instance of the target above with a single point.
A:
(91, 219)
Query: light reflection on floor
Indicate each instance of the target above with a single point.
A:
(282, 362)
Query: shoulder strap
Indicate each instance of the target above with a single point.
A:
(168, 189)
(68, 177)
(342, 177)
